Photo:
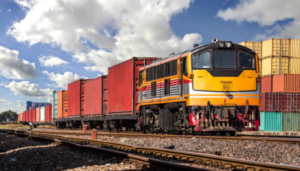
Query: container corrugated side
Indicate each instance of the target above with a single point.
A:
(294, 65)
(105, 95)
(42, 113)
(276, 47)
(74, 99)
(266, 84)
(60, 105)
(275, 65)
(97, 96)
(88, 97)
(273, 121)
(291, 121)
(289, 83)
(33, 113)
(65, 103)
(254, 45)
(262, 121)
(295, 48)
(54, 109)
(48, 113)
(38, 114)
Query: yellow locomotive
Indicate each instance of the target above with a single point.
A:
(211, 88)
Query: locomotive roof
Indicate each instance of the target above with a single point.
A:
(196, 49)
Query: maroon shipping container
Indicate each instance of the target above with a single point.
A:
(76, 98)
(123, 86)
(266, 84)
(105, 95)
(48, 113)
(33, 115)
(280, 102)
(94, 96)
(286, 83)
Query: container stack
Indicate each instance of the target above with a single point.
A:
(279, 66)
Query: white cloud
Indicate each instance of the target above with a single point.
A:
(5, 101)
(26, 88)
(62, 80)
(50, 61)
(267, 13)
(102, 33)
(9, 10)
(20, 104)
(14, 68)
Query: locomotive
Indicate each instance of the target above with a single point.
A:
(208, 89)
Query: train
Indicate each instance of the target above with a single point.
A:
(209, 89)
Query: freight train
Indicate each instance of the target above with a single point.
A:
(212, 89)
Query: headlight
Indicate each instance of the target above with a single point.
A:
(228, 44)
(221, 44)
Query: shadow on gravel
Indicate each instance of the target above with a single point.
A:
(62, 157)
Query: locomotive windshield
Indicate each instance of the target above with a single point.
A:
(202, 60)
(246, 60)
(224, 59)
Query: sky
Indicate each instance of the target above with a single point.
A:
(44, 45)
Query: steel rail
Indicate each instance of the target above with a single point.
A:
(166, 154)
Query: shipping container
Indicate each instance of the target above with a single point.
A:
(275, 65)
(294, 65)
(38, 114)
(48, 113)
(54, 103)
(122, 83)
(270, 121)
(62, 107)
(291, 121)
(30, 115)
(289, 83)
(23, 116)
(276, 47)
(281, 102)
(33, 115)
(28, 105)
(76, 98)
(254, 45)
(266, 84)
(94, 96)
(295, 48)
(105, 94)
(42, 114)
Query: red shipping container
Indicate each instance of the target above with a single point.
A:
(76, 98)
(280, 102)
(286, 83)
(94, 96)
(48, 113)
(123, 86)
(23, 116)
(33, 117)
(266, 84)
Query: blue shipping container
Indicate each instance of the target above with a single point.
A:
(270, 121)
(28, 105)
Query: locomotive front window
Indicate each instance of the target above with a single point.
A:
(224, 59)
(246, 60)
(202, 60)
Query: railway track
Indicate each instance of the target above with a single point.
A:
(171, 158)
(136, 135)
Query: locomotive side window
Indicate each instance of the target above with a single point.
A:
(167, 69)
(173, 69)
(202, 60)
(246, 60)
(224, 59)
(184, 67)
(140, 78)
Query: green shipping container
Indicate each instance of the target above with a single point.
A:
(270, 121)
(291, 121)
(54, 108)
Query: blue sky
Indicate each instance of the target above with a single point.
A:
(82, 38)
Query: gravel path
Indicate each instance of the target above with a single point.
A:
(26, 154)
